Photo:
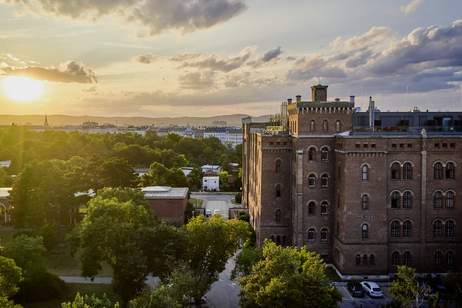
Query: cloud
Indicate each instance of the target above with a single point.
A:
(197, 80)
(272, 54)
(155, 16)
(146, 59)
(67, 72)
(411, 7)
(217, 63)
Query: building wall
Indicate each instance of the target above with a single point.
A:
(170, 210)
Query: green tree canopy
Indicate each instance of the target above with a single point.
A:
(27, 252)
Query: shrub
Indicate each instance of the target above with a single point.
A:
(40, 286)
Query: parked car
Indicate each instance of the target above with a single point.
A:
(217, 212)
(355, 288)
(372, 289)
(208, 213)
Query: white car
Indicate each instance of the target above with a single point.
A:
(372, 289)
(208, 213)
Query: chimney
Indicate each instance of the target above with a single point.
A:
(319, 93)
(299, 98)
(352, 99)
(371, 114)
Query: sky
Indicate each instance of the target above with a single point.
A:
(161, 58)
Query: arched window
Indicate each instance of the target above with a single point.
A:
(395, 171)
(277, 166)
(365, 202)
(407, 258)
(278, 191)
(272, 239)
(278, 239)
(324, 236)
(311, 208)
(324, 154)
(395, 229)
(324, 208)
(395, 200)
(325, 126)
(450, 171)
(365, 173)
(437, 200)
(365, 260)
(364, 231)
(325, 180)
(450, 258)
(312, 180)
(312, 126)
(372, 260)
(312, 154)
(338, 126)
(407, 228)
(395, 259)
(438, 171)
(358, 259)
(278, 216)
(450, 229)
(438, 257)
(311, 235)
(407, 171)
(437, 228)
(407, 200)
(450, 199)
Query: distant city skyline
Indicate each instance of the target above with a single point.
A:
(212, 57)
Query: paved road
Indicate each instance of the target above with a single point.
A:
(216, 201)
(224, 293)
(150, 280)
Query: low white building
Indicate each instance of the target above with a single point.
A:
(211, 169)
(211, 183)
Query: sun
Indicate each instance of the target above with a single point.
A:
(23, 89)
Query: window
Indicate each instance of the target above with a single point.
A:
(312, 154)
(358, 259)
(437, 200)
(407, 200)
(395, 258)
(450, 258)
(395, 171)
(395, 229)
(338, 126)
(312, 126)
(364, 231)
(278, 216)
(365, 260)
(312, 180)
(395, 200)
(450, 199)
(407, 258)
(372, 260)
(324, 180)
(277, 166)
(324, 235)
(438, 257)
(278, 191)
(278, 239)
(365, 202)
(325, 126)
(324, 208)
(311, 235)
(450, 229)
(324, 154)
(311, 208)
(407, 171)
(437, 228)
(450, 171)
(407, 228)
(365, 173)
(438, 171)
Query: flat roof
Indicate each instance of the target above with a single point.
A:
(165, 192)
(5, 192)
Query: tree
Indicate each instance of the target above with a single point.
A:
(86, 301)
(211, 242)
(288, 277)
(10, 277)
(159, 175)
(27, 252)
(405, 289)
(248, 256)
(116, 172)
(454, 283)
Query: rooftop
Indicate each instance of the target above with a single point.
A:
(165, 192)
(5, 192)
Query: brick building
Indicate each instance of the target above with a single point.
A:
(167, 203)
(367, 190)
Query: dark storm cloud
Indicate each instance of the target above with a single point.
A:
(155, 15)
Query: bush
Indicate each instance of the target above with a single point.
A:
(40, 286)
(238, 198)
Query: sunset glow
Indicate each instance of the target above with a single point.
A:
(23, 89)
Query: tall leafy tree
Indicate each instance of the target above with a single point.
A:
(10, 277)
(406, 290)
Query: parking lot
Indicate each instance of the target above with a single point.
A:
(366, 302)
(218, 203)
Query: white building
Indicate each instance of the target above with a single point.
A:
(211, 169)
(211, 183)
(5, 164)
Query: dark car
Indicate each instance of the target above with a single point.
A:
(355, 289)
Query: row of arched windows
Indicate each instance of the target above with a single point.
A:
(324, 208)
(444, 228)
(444, 199)
(365, 260)
(444, 171)
(278, 239)
(439, 258)
(312, 180)
(323, 235)
(404, 200)
(325, 126)
(324, 154)
(398, 229)
(401, 172)
(401, 259)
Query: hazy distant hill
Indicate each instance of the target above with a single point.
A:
(60, 120)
